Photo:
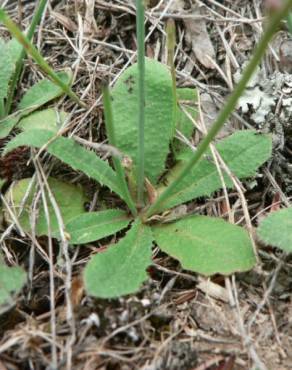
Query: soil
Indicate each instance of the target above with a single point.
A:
(178, 320)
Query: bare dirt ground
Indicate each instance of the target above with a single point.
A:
(178, 320)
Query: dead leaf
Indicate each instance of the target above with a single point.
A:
(197, 36)
(276, 202)
(90, 26)
(213, 290)
(151, 191)
(64, 21)
(77, 291)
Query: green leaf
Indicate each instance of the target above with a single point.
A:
(43, 92)
(276, 229)
(121, 269)
(71, 153)
(11, 280)
(69, 198)
(206, 245)
(243, 152)
(7, 68)
(159, 118)
(7, 124)
(15, 49)
(92, 226)
(47, 119)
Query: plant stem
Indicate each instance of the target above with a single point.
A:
(2, 109)
(112, 140)
(140, 29)
(289, 22)
(170, 32)
(34, 22)
(228, 107)
(33, 52)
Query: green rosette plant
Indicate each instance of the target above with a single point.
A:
(142, 113)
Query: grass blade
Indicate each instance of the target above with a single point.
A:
(170, 32)
(289, 22)
(34, 22)
(140, 29)
(2, 109)
(33, 52)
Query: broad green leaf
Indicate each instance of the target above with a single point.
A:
(47, 119)
(187, 98)
(276, 229)
(11, 281)
(8, 123)
(243, 152)
(43, 92)
(121, 269)
(206, 245)
(69, 198)
(7, 68)
(15, 49)
(71, 153)
(159, 118)
(92, 226)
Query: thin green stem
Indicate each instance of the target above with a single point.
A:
(112, 140)
(170, 32)
(141, 100)
(229, 106)
(289, 22)
(2, 109)
(33, 52)
(19, 65)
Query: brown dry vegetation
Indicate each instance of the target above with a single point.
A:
(177, 320)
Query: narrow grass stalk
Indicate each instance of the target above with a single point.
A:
(228, 107)
(112, 140)
(140, 29)
(170, 33)
(289, 22)
(33, 52)
(2, 109)
(19, 65)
